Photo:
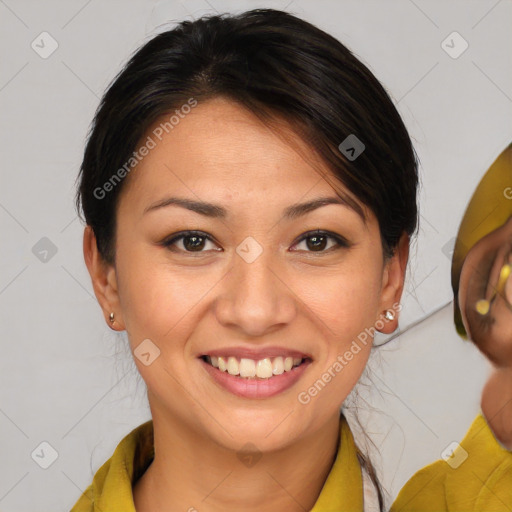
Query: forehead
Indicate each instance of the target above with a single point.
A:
(221, 149)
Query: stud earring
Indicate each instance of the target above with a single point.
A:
(390, 314)
(111, 318)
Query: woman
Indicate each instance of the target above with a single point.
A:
(249, 191)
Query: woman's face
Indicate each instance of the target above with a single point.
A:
(257, 290)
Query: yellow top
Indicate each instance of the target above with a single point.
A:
(477, 477)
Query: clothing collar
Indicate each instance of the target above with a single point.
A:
(111, 488)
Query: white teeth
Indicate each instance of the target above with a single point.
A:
(249, 368)
(233, 366)
(278, 366)
(264, 368)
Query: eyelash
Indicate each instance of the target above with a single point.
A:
(340, 241)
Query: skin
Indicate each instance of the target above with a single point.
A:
(188, 303)
(491, 333)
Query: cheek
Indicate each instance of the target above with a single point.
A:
(349, 306)
(159, 301)
(343, 309)
(346, 301)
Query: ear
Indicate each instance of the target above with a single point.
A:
(393, 278)
(104, 280)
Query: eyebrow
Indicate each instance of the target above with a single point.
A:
(291, 212)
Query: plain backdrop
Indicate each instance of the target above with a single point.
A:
(69, 381)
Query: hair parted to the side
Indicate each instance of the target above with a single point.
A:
(279, 67)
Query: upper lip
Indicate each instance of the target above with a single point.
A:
(256, 354)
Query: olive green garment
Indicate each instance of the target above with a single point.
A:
(481, 482)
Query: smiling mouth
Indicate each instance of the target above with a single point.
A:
(255, 369)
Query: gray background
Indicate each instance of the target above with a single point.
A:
(67, 379)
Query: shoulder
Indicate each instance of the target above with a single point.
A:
(111, 487)
(475, 474)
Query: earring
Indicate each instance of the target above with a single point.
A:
(112, 318)
(390, 314)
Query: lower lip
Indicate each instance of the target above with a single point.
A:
(256, 387)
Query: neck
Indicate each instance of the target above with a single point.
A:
(192, 473)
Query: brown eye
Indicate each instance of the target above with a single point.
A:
(191, 242)
(317, 241)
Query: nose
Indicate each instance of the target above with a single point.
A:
(257, 297)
